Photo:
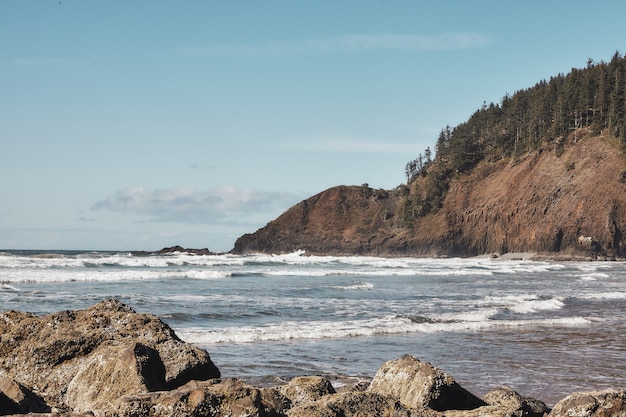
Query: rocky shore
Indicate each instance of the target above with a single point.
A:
(109, 360)
(173, 249)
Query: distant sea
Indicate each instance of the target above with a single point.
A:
(546, 329)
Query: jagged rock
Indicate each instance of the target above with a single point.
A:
(54, 355)
(112, 372)
(517, 405)
(306, 389)
(419, 384)
(609, 403)
(16, 398)
(356, 404)
(54, 414)
(230, 397)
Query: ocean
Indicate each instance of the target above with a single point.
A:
(543, 328)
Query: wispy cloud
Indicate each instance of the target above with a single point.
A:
(351, 145)
(87, 219)
(345, 43)
(226, 205)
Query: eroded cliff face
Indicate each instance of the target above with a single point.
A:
(569, 203)
(342, 220)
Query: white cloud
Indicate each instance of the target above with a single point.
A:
(226, 205)
(344, 43)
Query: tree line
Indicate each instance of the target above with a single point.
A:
(593, 97)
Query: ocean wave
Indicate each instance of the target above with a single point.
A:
(300, 330)
(293, 264)
(609, 295)
(6, 287)
(594, 276)
(64, 275)
(526, 303)
(354, 286)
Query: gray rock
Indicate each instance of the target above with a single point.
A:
(507, 399)
(609, 403)
(55, 355)
(112, 372)
(421, 385)
(304, 389)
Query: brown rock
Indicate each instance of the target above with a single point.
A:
(230, 397)
(421, 385)
(16, 398)
(356, 404)
(609, 403)
(112, 372)
(507, 399)
(47, 353)
(306, 389)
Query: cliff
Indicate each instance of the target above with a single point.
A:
(564, 199)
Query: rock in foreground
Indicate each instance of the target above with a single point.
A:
(86, 359)
(109, 361)
(418, 385)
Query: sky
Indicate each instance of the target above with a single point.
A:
(136, 125)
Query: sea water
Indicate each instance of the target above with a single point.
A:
(545, 329)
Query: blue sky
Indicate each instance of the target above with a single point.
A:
(142, 124)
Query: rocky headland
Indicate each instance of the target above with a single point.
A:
(109, 360)
(562, 200)
(172, 250)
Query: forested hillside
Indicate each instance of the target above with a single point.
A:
(588, 101)
(541, 172)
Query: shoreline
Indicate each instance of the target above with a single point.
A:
(127, 358)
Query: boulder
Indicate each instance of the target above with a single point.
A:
(507, 399)
(112, 372)
(421, 385)
(70, 356)
(16, 398)
(609, 403)
(304, 389)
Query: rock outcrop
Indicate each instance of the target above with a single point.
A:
(85, 359)
(173, 249)
(609, 403)
(421, 385)
(567, 202)
(109, 361)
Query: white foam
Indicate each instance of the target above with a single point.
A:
(594, 276)
(611, 295)
(111, 275)
(7, 287)
(532, 306)
(355, 286)
(297, 330)
(480, 315)
(526, 303)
